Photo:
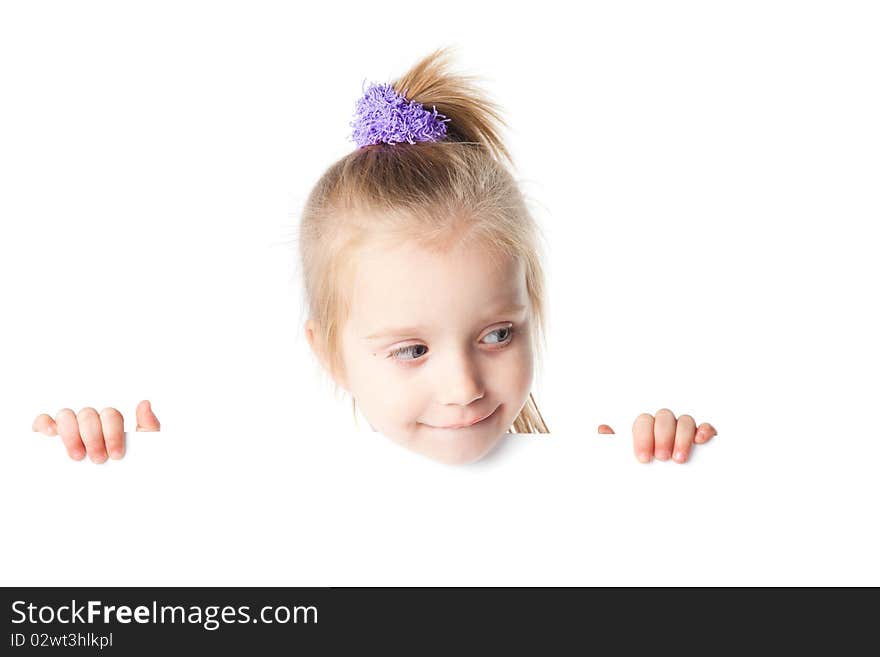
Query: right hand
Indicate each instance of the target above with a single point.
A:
(87, 431)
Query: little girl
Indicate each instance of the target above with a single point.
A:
(423, 284)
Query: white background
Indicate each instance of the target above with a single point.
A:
(706, 176)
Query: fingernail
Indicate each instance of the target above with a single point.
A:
(679, 456)
(116, 453)
(662, 456)
(644, 458)
(50, 431)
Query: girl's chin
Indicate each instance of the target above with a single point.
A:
(462, 451)
(450, 446)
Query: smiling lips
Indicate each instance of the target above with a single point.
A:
(467, 424)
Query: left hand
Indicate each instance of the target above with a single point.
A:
(666, 437)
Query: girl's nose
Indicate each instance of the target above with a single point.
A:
(463, 384)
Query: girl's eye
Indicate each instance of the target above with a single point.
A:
(409, 350)
(415, 351)
(507, 331)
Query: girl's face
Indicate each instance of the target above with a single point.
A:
(437, 349)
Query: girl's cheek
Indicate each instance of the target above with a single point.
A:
(520, 356)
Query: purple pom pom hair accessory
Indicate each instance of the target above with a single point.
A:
(383, 115)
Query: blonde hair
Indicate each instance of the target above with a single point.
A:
(434, 193)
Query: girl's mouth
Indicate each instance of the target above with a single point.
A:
(469, 424)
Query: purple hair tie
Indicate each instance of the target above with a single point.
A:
(383, 115)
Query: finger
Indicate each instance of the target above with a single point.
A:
(604, 428)
(68, 429)
(643, 437)
(45, 424)
(92, 434)
(114, 436)
(684, 438)
(146, 420)
(664, 433)
(704, 433)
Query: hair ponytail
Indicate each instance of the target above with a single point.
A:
(474, 118)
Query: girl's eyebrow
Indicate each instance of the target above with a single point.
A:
(410, 330)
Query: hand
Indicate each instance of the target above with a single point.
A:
(663, 436)
(86, 431)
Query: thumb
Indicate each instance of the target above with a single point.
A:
(146, 420)
(604, 428)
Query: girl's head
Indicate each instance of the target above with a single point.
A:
(423, 282)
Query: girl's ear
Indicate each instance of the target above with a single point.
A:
(311, 327)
